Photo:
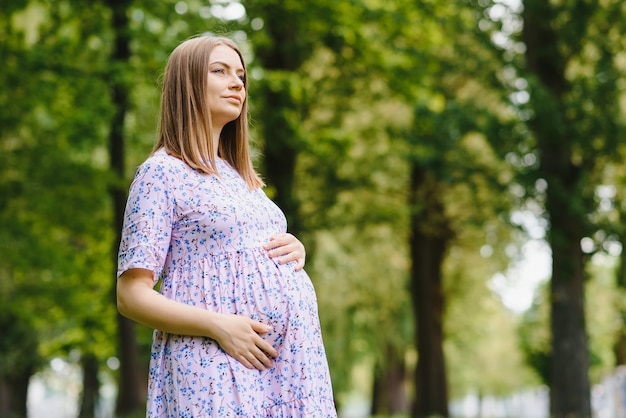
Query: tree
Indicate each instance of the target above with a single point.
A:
(131, 392)
(570, 143)
(51, 223)
(569, 379)
(558, 58)
(446, 120)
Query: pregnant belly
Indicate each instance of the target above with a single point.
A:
(249, 283)
(290, 308)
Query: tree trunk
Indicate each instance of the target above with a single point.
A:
(428, 242)
(19, 359)
(569, 387)
(280, 152)
(280, 138)
(388, 392)
(131, 393)
(91, 386)
(619, 347)
(131, 397)
(5, 397)
(14, 394)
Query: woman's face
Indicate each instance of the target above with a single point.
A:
(225, 85)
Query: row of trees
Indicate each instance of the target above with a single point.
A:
(397, 136)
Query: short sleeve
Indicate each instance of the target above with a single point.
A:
(148, 220)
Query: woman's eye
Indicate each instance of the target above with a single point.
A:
(242, 77)
(219, 71)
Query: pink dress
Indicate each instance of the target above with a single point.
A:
(203, 236)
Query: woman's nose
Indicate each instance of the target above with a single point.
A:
(237, 83)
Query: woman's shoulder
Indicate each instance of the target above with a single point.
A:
(160, 160)
(162, 166)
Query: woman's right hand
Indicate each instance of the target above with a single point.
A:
(240, 337)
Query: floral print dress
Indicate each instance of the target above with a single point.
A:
(203, 236)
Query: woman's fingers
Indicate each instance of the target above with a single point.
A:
(242, 340)
(251, 362)
(279, 240)
(260, 359)
(285, 248)
(260, 329)
(255, 357)
(299, 264)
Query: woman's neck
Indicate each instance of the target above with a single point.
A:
(215, 137)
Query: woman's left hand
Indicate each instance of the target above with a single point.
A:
(284, 248)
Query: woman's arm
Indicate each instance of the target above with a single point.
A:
(285, 247)
(237, 335)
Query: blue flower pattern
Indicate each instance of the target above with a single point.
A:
(202, 235)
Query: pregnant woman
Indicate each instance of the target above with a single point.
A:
(237, 331)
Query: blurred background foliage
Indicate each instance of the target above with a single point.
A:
(410, 143)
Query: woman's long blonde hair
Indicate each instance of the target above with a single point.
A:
(185, 124)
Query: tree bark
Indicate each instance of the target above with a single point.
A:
(569, 387)
(280, 153)
(619, 347)
(428, 243)
(19, 359)
(91, 387)
(131, 393)
(14, 394)
(388, 392)
(5, 397)
(280, 138)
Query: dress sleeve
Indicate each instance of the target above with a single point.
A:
(148, 220)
